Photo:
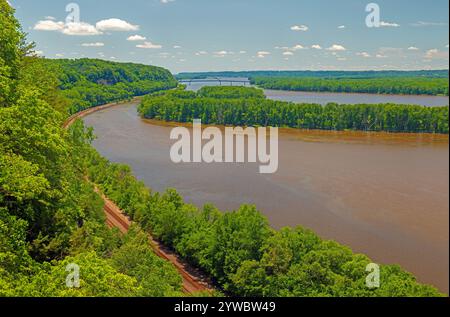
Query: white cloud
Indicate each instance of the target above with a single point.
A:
(176, 47)
(363, 54)
(115, 25)
(424, 23)
(341, 27)
(199, 53)
(380, 56)
(297, 47)
(389, 24)
(316, 47)
(436, 54)
(149, 45)
(72, 28)
(39, 53)
(50, 18)
(80, 29)
(59, 55)
(97, 44)
(412, 48)
(166, 1)
(297, 28)
(288, 53)
(48, 25)
(446, 46)
(262, 54)
(242, 52)
(222, 53)
(136, 38)
(336, 48)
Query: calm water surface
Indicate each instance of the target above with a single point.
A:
(385, 195)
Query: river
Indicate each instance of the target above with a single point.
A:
(385, 195)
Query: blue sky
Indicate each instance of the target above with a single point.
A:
(213, 35)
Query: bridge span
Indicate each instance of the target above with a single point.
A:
(231, 81)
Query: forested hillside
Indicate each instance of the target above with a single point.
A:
(221, 105)
(50, 216)
(91, 82)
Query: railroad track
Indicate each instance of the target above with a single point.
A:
(193, 280)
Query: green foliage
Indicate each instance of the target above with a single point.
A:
(88, 83)
(50, 215)
(230, 92)
(252, 111)
(385, 85)
(11, 51)
(135, 258)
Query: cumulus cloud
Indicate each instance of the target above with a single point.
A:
(149, 45)
(341, 27)
(436, 54)
(424, 24)
(297, 47)
(97, 44)
(412, 48)
(49, 25)
(363, 54)
(221, 53)
(80, 29)
(262, 54)
(336, 48)
(166, 1)
(316, 47)
(136, 38)
(299, 28)
(176, 47)
(288, 53)
(200, 53)
(115, 25)
(389, 24)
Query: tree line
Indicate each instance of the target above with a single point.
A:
(213, 106)
(386, 85)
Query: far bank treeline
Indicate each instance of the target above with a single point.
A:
(388, 85)
(248, 107)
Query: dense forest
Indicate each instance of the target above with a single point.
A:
(51, 217)
(90, 82)
(320, 74)
(401, 85)
(231, 106)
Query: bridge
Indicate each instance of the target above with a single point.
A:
(231, 81)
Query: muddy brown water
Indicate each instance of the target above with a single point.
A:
(385, 195)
